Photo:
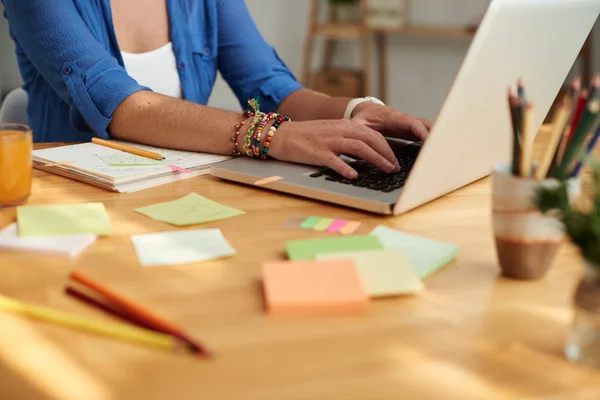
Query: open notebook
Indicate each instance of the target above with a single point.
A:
(122, 172)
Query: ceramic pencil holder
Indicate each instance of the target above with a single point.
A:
(526, 239)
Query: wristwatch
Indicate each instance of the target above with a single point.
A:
(355, 102)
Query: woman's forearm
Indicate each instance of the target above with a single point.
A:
(163, 121)
(306, 105)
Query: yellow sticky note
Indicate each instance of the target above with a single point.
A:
(63, 219)
(383, 272)
(189, 210)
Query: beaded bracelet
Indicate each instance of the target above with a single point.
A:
(248, 139)
(236, 129)
(278, 121)
(258, 132)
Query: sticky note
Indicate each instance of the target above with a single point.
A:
(424, 255)
(123, 159)
(383, 272)
(189, 210)
(181, 247)
(323, 224)
(313, 287)
(350, 228)
(177, 168)
(310, 222)
(63, 219)
(68, 246)
(265, 181)
(336, 225)
(307, 249)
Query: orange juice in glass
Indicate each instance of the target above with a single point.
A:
(16, 145)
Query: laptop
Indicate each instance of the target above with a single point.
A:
(537, 40)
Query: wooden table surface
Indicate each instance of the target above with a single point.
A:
(473, 334)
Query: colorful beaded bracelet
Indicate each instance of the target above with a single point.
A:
(236, 129)
(258, 133)
(248, 139)
(271, 134)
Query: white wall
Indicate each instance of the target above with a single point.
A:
(421, 70)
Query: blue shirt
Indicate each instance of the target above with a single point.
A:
(73, 71)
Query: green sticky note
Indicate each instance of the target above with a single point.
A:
(189, 210)
(122, 159)
(309, 248)
(63, 219)
(424, 255)
(310, 222)
(323, 224)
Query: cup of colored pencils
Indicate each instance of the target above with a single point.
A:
(527, 240)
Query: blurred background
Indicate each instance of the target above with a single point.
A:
(421, 43)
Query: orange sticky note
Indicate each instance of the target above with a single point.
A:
(313, 287)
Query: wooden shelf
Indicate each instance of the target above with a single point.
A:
(356, 31)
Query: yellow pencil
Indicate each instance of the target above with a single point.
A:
(128, 149)
(527, 149)
(119, 331)
(562, 119)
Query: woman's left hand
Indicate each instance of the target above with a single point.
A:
(392, 123)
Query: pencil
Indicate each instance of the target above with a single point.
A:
(588, 120)
(527, 142)
(561, 121)
(521, 91)
(516, 111)
(594, 89)
(577, 115)
(128, 149)
(572, 96)
(590, 147)
(118, 331)
(140, 313)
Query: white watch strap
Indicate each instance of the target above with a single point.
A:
(355, 102)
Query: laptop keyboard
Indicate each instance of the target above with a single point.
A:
(371, 177)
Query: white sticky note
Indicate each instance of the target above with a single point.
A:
(181, 247)
(425, 256)
(68, 246)
(383, 272)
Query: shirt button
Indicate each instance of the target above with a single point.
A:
(181, 65)
(207, 52)
(67, 70)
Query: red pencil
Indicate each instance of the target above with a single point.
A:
(137, 312)
(577, 114)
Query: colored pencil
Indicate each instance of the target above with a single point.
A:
(527, 141)
(521, 91)
(561, 120)
(128, 149)
(577, 114)
(590, 147)
(118, 331)
(516, 111)
(141, 314)
(594, 89)
(572, 96)
(572, 153)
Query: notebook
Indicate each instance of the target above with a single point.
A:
(121, 172)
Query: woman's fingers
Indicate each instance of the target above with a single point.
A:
(361, 150)
(376, 141)
(338, 165)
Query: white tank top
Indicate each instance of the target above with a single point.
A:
(156, 69)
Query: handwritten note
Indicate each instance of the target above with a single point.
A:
(122, 159)
(68, 246)
(181, 247)
(63, 219)
(189, 210)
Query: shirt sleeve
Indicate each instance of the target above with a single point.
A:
(75, 64)
(247, 62)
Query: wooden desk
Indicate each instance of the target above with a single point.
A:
(472, 335)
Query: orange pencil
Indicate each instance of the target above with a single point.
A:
(137, 312)
(128, 149)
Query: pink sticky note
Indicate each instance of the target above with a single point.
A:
(179, 169)
(336, 225)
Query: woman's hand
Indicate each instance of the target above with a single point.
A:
(392, 123)
(321, 142)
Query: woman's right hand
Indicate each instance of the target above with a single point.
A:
(321, 143)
